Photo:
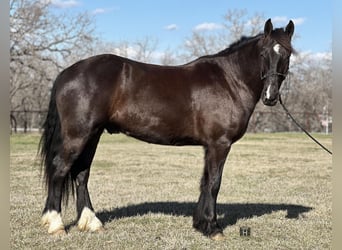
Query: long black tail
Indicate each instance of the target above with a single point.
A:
(51, 145)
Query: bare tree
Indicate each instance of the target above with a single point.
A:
(238, 23)
(145, 48)
(169, 58)
(201, 43)
(235, 24)
(41, 43)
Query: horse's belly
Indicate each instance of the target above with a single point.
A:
(164, 128)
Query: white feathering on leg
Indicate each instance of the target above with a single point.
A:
(53, 221)
(88, 221)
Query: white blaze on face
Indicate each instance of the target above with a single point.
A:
(276, 48)
(268, 92)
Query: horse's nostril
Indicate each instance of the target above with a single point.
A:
(271, 98)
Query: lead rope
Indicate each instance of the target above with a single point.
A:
(307, 133)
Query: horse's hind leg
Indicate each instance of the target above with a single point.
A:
(87, 220)
(63, 173)
(59, 183)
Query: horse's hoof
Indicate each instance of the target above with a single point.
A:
(91, 229)
(217, 237)
(99, 230)
(60, 232)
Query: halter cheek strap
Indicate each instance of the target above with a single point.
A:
(262, 77)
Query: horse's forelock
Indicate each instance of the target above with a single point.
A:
(283, 39)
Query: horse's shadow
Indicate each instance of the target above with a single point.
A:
(228, 214)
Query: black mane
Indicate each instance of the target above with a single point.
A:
(277, 34)
(238, 44)
(234, 46)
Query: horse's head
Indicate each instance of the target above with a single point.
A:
(275, 58)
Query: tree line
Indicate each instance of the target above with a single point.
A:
(42, 43)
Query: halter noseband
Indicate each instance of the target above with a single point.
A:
(262, 77)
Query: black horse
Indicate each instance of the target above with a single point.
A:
(206, 102)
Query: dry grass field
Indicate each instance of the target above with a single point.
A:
(279, 185)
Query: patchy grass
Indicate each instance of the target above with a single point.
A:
(279, 185)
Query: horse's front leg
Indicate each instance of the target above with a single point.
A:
(205, 218)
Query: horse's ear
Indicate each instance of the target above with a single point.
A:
(290, 29)
(268, 27)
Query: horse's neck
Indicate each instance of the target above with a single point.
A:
(246, 72)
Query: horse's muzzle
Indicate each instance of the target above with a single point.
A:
(270, 94)
(270, 101)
